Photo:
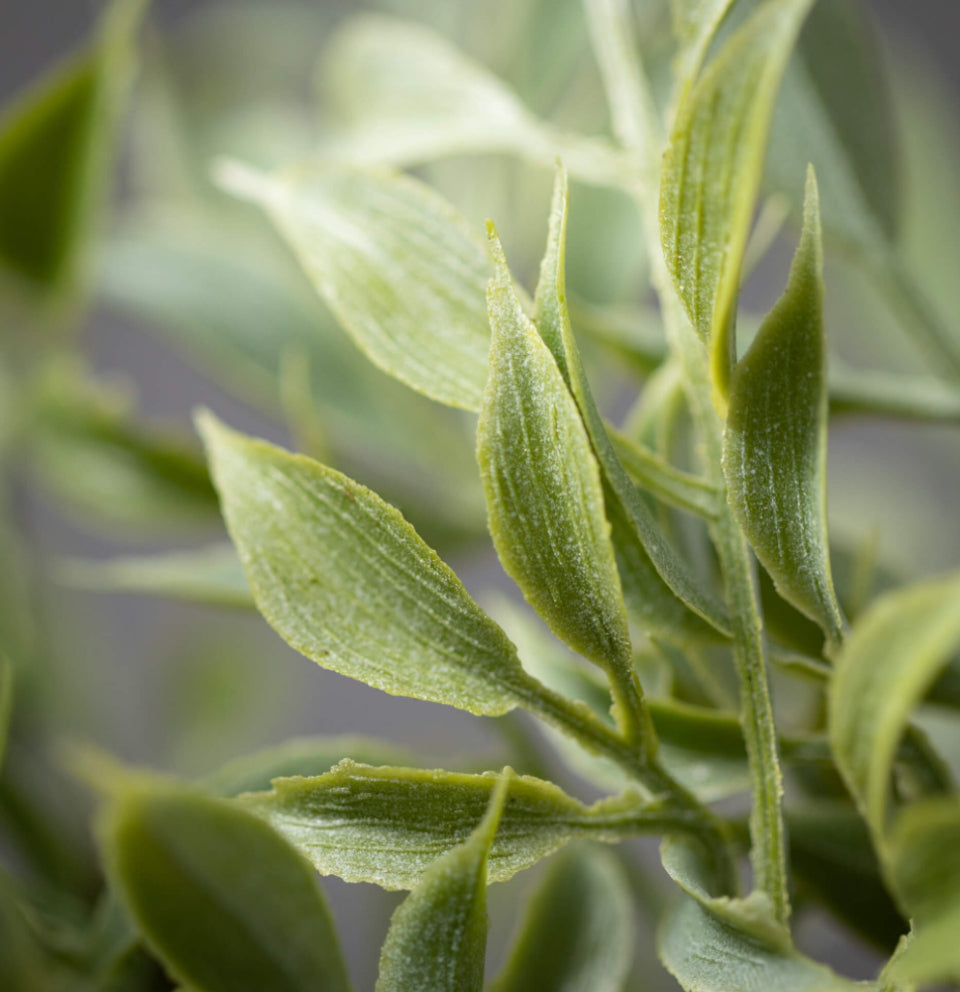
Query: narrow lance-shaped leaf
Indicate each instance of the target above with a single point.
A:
(55, 145)
(892, 657)
(657, 583)
(400, 269)
(223, 901)
(578, 931)
(775, 445)
(543, 489)
(712, 172)
(438, 935)
(695, 23)
(345, 580)
(388, 825)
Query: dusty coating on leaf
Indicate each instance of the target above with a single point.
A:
(345, 580)
(775, 447)
(438, 935)
(542, 484)
(388, 825)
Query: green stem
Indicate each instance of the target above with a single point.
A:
(580, 723)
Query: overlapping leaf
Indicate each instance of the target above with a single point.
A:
(398, 267)
(222, 900)
(388, 825)
(578, 931)
(344, 579)
(657, 583)
(543, 488)
(775, 445)
(55, 152)
(713, 168)
(438, 935)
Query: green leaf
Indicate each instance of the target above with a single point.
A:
(345, 580)
(892, 657)
(388, 825)
(400, 93)
(55, 153)
(775, 445)
(222, 900)
(719, 944)
(211, 575)
(438, 935)
(111, 468)
(924, 867)
(712, 171)
(399, 268)
(657, 583)
(543, 489)
(300, 757)
(578, 931)
(22, 966)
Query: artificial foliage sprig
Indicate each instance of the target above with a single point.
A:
(699, 649)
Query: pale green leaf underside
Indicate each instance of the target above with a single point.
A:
(713, 167)
(775, 445)
(345, 580)
(211, 575)
(402, 94)
(717, 944)
(395, 263)
(578, 931)
(222, 900)
(924, 867)
(388, 825)
(658, 586)
(438, 935)
(894, 654)
(542, 485)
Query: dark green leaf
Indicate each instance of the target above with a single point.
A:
(223, 901)
(387, 825)
(211, 575)
(775, 446)
(542, 482)
(400, 269)
(890, 660)
(712, 172)
(56, 150)
(578, 931)
(438, 935)
(347, 581)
